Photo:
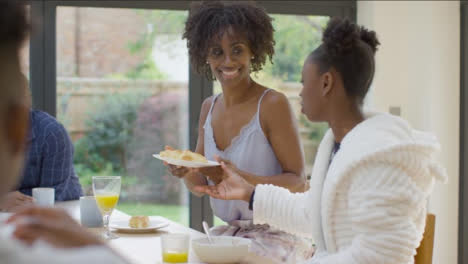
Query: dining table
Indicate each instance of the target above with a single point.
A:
(145, 248)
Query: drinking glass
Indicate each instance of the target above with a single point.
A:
(106, 190)
(175, 248)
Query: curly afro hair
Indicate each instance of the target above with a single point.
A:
(350, 49)
(210, 19)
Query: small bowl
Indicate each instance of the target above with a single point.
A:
(225, 249)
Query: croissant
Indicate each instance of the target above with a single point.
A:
(183, 155)
(139, 221)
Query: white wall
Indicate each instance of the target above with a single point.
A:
(418, 69)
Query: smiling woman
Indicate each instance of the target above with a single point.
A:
(251, 127)
(206, 27)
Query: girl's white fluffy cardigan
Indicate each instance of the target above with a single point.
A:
(369, 205)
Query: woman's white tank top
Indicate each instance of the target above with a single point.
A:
(250, 151)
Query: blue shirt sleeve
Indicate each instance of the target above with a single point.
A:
(57, 167)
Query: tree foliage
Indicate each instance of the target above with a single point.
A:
(157, 22)
(296, 37)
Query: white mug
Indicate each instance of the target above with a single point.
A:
(44, 196)
(90, 215)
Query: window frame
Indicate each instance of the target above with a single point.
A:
(463, 177)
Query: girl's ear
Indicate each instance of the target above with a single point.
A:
(327, 83)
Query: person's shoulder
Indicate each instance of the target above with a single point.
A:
(42, 118)
(385, 127)
(207, 102)
(274, 102)
(273, 97)
(206, 105)
(47, 124)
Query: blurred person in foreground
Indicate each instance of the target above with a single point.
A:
(372, 175)
(39, 235)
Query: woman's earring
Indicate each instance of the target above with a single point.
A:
(253, 57)
(207, 62)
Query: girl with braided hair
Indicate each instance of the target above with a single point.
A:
(372, 175)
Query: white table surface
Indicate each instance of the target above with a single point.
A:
(146, 248)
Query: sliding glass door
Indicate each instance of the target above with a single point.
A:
(122, 95)
(116, 74)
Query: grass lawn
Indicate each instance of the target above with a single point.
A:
(176, 213)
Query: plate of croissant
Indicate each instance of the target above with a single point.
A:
(138, 224)
(185, 158)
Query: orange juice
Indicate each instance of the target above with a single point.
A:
(175, 257)
(106, 203)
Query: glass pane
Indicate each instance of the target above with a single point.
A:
(295, 36)
(122, 94)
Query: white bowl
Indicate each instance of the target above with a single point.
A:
(225, 249)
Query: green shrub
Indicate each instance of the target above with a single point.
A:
(123, 133)
(110, 126)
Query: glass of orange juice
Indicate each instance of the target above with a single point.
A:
(175, 248)
(106, 190)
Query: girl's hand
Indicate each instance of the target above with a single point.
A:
(232, 186)
(216, 173)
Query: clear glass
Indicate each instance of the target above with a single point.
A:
(122, 95)
(106, 190)
(175, 248)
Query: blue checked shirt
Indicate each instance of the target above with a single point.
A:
(49, 162)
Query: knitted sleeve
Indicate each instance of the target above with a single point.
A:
(282, 209)
(386, 212)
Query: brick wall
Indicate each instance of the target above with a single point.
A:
(93, 42)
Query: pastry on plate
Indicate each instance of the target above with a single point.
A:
(183, 155)
(139, 221)
(192, 156)
(171, 153)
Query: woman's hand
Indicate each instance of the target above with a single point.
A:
(177, 171)
(232, 186)
(51, 225)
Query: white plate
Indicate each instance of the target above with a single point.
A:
(122, 226)
(185, 163)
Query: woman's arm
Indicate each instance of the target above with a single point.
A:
(272, 205)
(280, 127)
(281, 209)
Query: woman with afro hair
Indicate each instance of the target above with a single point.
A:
(248, 126)
(372, 174)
